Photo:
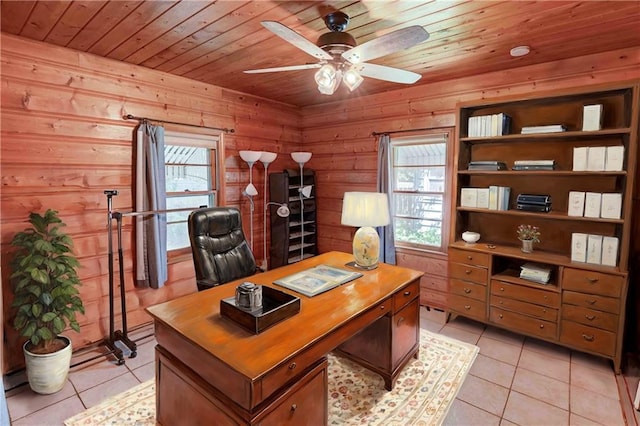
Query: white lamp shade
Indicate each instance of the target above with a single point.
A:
(250, 156)
(268, 157)
(301, 157)
(365, 209)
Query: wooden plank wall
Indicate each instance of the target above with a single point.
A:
(345, 153)
(64, 142)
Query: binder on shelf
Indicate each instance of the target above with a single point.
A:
(534, 162)
(609, 251)
(592, 117)
(503, 197)
(468, 197)
(580, 155)
(487, 165)
(611, 206)
(482, 198)
(578, 247)
(594, 249)
(592, 202)
(614, 158)
(493, 197)
(596, 158)
(576, 203)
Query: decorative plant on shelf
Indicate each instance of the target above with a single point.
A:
(45, 284)
(529, 232)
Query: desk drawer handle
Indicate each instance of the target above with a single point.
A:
(407, 293)
(468, 271)
(541, 325)
(400, 321)
(381, 307)
(500, 316)
(588, 338)
(292, 366)
(590, 317)
(467, 290)
(501, 288)
(467, 307)
(294, 407)
(591, 301)
(470, 257)
(592, 280)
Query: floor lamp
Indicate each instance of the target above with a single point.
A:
(250, 191)
(301, 158)
(266, 158)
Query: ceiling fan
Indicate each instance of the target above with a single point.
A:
(341, 59)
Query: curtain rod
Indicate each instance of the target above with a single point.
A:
(131, 117)
(399, 131)
(150, 212)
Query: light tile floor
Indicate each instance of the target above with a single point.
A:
(514, 381)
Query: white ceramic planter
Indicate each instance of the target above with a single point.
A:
(47, 373)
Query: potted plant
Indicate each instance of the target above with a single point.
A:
(45, 285)
(528, 234)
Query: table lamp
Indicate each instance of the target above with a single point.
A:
(366, 210)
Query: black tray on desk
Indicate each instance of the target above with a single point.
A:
(276, 306)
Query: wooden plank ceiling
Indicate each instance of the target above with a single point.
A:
(214, 41)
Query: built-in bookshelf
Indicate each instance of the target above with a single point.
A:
(583, 304)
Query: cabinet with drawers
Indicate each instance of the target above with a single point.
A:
(582, 306)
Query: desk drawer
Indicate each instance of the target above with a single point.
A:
(469, 257)
(543, 312)
(468, 307)
(526, 294)
(525, 323)
(406, 295)
(589, 338)
(590, 317)
(468, 273)
(469, 289)
(591, 301)
(592, 282)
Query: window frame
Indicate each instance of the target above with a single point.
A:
(213, 142)
(423, 137)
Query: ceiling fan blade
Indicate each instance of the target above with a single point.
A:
(289, 68)
(288, 35)
(392, 42)
(380, 72)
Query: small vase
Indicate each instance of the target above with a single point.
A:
(527, 246)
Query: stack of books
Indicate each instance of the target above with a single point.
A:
(534, 165)
(552, 128)
(487, 165)
(535, 272)
(489, 125)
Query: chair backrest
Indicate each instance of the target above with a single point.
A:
(220, 250)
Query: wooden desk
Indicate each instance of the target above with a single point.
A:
(209, 370)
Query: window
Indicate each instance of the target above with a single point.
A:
(419, 192)
(191, 175)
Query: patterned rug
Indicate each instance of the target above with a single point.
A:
(422, 394)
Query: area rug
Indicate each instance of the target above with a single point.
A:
(422, 394)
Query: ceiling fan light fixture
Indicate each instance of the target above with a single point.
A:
(352, 79)
(328, 79)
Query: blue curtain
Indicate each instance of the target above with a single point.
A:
(151, 229)
(387, 246)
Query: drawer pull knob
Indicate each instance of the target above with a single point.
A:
(292, 366)
(470, 257)
(468, 271)
(591, 301)
(592, 280)
(467, 290)
(381, 307)
(400, 321)
(545, 297)
(544, 310)
(590, 317)
(541, 325)
(500, 316)
(501, 302)
(501, 288)
(407, 293)
(467, 307)
(294, 407)
(587, 337)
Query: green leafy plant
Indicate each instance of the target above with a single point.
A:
(45, 282)
(529, 232)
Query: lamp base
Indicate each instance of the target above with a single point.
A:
(364, 268)
(366, 248)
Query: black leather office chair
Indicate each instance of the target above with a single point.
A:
(220, 250)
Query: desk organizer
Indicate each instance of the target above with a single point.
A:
(276, 306)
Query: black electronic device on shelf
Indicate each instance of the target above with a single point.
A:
(534, 203)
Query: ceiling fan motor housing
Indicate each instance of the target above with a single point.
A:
(336, 42)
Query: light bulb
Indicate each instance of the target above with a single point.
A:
(352, 79)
